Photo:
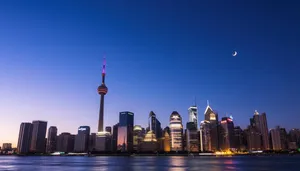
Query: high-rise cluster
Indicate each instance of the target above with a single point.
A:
(211, 135)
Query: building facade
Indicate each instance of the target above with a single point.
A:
(39, 129)
(205, 141)
(108, 129)
(176, 132)
(6, 147)
(192, 137)
(226, 134)
(154, 125)
(193, 115)
(138, 137)
(212, 116)
(260, 122)
(82, 139)
(253, 138)
(125, 131)
(24, 139)
(115, 137)
(275, 139)
(92, 142)
(65, 142)
(51, 140)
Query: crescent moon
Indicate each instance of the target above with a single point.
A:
(234, 53)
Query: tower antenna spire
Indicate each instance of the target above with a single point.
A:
(207, 103)
(104, 64)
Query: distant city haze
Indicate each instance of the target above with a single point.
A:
(160, 56)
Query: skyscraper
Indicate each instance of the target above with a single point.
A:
(92, 142)
(176, 131)
(24, 140)
(295, 136)
(275, 138)
(51, 140)
(283, 139)
(115, 137)
(137, 137)
(238, 139)
(253, 138)
(102, 90)
(260, 122)
(192, 137)
(155, 125)
(212, 116)
(82, 139)
(65, 142)
(205, 141)
(125, 131)
(39, 129)
(193, 115)
(226, 133)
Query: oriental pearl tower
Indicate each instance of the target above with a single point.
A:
(102, 90)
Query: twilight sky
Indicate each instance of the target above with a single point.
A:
(160, 55)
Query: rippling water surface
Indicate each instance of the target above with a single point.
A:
(243, 163)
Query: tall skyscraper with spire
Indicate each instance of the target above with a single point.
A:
(102, 90)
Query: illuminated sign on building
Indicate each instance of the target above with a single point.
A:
(82, 129)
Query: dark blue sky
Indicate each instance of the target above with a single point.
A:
(160, 55)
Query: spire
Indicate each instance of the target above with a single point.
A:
(103, 66)
(207, 103)
(103, 70)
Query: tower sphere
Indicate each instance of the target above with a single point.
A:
(102, 89)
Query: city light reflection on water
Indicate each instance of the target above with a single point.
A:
(12, 163)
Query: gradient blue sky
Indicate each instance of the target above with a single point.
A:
(160, 55)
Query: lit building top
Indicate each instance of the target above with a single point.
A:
(150, 137)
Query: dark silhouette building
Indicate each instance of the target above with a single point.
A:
(238, 139)
(115, 138)
(82, 139)
(260, 122)
(284, 139)
(253, 138)
(39, 129)
(154, 125)
(192, 137)
(226, 130)
(92, 142)
(24, 139)
(108, 129)
(125, 131)
(51, 140)
(65, 142)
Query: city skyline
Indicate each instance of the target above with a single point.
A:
(54, 79)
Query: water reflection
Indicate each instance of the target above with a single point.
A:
(149, 163)
(177, 163)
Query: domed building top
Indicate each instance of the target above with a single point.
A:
(137, 128)
(175, 116)
(150, 137)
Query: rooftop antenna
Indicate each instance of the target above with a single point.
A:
(207, 103)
